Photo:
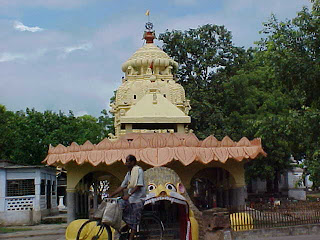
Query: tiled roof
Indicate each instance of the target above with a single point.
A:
(156, 149)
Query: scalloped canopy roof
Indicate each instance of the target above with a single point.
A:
(148, 54)
(156, 149)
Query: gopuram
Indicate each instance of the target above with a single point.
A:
(185, 175)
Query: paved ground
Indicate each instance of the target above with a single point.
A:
(57, 232)
(301, 237)
(38, 232)
(48, 237)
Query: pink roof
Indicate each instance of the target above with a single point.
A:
(156, 149)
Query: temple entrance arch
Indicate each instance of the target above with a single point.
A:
(211, 187)
(90, 191)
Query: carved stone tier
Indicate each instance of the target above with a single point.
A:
(149, 60)
(149, 99)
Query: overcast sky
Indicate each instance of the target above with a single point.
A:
(67, 54)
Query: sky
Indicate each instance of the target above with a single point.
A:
(67, 54)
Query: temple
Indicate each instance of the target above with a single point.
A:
(151, 122)
(149, 99)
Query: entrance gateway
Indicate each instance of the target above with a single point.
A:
(185, 175)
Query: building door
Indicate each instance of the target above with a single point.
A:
(48, 194)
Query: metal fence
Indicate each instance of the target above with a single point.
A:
(259, 216)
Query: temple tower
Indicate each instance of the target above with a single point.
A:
(149, 99)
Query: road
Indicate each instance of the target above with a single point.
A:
(38, 232)
(57, 232)
(61, 237)
(48, 237)
(301, 237)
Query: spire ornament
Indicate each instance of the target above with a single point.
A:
(149, 26)
(149, 33)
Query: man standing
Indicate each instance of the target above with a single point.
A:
(134, 201)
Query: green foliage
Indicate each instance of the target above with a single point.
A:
(268, 92)
(7, 132)
(233, 94)
(312, 143)
(271, 92)
(292, 48)
(26, 135)
(206, 58)
(313, 167)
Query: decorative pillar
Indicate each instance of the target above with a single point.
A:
(226, 197)
(36, 212)
(37, 183)
(95, 196)
(220, 202)
(241, 195)
(180, 128)
(238, 196)
(3, 180)
(71, 204)
(128, 128)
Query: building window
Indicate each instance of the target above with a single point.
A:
(43, 187)
(134, 96)
(22, 187)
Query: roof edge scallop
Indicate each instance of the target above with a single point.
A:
(149, 55)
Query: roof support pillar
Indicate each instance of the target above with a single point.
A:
(71, 204)
(238, 196)
(3, 180)
(180, 128)
(128, 128)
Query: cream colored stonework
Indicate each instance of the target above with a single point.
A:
(141, 60)
(150, 94)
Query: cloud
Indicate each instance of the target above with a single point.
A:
(258, 8)
(9, 57)
(184, 2)
(21, 27)
(243, 18)
(68, 50)
(85, 47)
(47, 3)
(84, 81)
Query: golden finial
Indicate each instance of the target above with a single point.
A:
(148, 14)
(149, 34)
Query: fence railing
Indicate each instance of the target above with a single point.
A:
(259, 216)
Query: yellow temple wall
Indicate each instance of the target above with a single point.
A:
(76, 172)
(186, 173)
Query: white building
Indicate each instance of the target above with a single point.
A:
(292, 183)
(27, 193)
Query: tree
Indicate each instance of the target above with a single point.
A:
(291, 49)
(206, 57)
(256, 107)
(28, 134)
(267, 92)
(106, 123)
(311, 144)
(7, 132)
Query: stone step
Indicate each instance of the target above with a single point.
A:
(63, 211)
(60, 218)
